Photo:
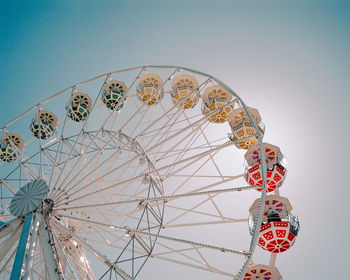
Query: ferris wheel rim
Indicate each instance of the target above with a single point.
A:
(254, 237)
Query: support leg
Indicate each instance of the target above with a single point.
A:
(21, 250)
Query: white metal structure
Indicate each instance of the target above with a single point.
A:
(146, 179)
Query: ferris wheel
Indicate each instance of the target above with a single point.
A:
(147, 166)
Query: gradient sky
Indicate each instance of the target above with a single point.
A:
(290, 59)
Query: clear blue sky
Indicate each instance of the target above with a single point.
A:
(290, 59)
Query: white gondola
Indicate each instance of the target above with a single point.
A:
(244, 134)
(216, 103)
(149, 89)
(114, 94)
(11, 143)
(185, 91)
(45, 126)
(79, 107)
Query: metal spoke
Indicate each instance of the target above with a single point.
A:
(97, 254)
(102, 126)
(117, 152)
(134, 231)
(163, 198)
(81, 130)
(195, 157)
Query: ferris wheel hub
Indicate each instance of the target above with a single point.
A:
(28, 198)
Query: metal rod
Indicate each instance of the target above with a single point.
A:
(200, 155)
(131, 231)
(272, 259)
(164, 198)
